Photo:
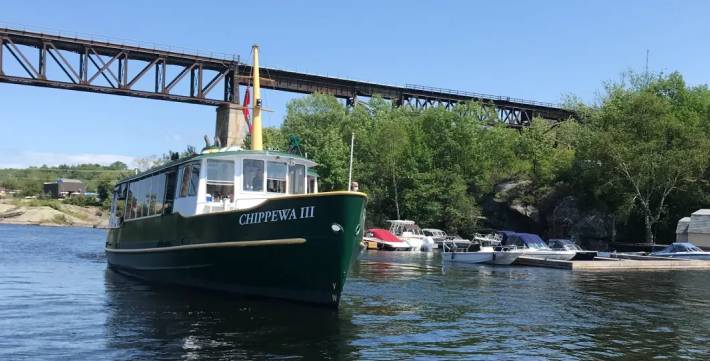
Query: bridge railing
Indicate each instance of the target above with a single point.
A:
(480, 95)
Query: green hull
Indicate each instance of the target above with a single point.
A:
(297, 248)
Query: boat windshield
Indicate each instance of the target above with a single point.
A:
(681, 247)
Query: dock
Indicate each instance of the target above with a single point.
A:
(638, 263)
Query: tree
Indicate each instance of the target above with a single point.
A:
(646, 142)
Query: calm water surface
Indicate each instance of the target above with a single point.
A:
(58, 301)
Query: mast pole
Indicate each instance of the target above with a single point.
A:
(350, 172)
(256, 141)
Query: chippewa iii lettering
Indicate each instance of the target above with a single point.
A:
(277, 215)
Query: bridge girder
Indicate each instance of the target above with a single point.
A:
(103, 67)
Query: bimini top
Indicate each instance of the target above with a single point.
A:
(383, 234)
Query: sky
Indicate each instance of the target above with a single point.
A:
(534, 50)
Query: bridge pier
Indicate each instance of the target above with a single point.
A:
(231, 127)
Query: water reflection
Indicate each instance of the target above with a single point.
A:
(177, 323)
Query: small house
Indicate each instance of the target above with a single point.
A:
(64, 187)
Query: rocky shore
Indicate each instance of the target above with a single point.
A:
(51, 213)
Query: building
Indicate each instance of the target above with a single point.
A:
(63, 187)
(695, 229)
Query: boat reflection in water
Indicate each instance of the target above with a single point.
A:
(165, 322)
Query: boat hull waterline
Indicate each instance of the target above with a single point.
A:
(294, 247)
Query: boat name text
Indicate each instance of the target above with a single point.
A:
(277, 215)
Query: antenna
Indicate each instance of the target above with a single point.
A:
(646, 62)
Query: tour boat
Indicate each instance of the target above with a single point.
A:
(683, 250)
(409, 232)
(244, 221)
(384, 240)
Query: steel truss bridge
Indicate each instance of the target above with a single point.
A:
(61, 62)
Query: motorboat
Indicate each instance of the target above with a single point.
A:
(685, 250)
(440, 237)
(516, 244)
(478, 251)
(558, 244)
(382, 239)
(409, 232)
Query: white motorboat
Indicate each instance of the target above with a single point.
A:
(480, 251)
(440, 237)
(382, 239)
(683, 250)
(558, 244)
(515, 245)
(409, 232)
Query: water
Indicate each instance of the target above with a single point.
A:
(58, 301)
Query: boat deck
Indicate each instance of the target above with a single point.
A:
(638, 263)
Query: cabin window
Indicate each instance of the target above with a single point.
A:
(190, 180)
(119, 200)
(157, 194)
(253, 175)
(220, 180)
(297, 179)
(276, 177)
(311, 184)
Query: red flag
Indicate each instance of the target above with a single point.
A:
(245, 108)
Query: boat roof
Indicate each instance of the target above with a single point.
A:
(529, 238)
(384, 235)
(216, 153)
(400, 221)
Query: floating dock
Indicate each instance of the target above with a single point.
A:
(638, 263)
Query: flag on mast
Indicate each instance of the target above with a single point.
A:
(245, 108)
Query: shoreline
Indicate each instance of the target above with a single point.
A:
(51, 213)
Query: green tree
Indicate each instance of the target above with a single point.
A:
(646, 142)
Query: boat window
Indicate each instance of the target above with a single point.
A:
(185, 173)
(276, 177)
(297, 179)
(253, 175)
(220, 180)
(157, 196)
(194, 180)
(130, 203)
(311, 184)
(189, 180)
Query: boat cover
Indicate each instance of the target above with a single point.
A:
(531, 239)
(384, 235)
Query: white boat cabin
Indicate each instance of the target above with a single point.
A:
(214, 181)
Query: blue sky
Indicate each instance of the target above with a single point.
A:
(523, 49)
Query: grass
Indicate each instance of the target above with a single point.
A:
(60, 219)
(51, 203)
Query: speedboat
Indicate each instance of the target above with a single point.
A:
(479, 251)
(440, 237)
(683, 250)
(567, 245)
(515, 245)
(382, 239)
(409, 232)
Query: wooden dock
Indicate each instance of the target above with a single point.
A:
(617, 264)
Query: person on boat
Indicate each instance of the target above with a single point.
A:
(354, 186)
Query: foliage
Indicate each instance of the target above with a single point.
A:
(647, 141)
(97, 178)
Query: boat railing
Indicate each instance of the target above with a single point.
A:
(215, 207)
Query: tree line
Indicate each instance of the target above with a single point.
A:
(639, 155)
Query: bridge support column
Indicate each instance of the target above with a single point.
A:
(231, 127)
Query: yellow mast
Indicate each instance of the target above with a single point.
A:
(256, 142)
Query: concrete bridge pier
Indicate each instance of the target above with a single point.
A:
(231, 127)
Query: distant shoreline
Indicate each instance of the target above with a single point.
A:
(51, 213)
